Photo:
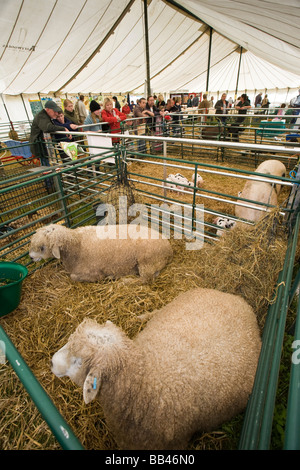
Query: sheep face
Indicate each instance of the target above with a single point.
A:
(64, 363)
(225, 223)
(86, 351)
(39, 245)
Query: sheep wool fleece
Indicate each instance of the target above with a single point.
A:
(93, 253)
(190, 369)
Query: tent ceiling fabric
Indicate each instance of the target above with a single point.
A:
(99, 46)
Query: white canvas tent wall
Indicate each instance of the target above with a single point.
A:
(92, 46)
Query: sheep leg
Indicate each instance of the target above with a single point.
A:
(147, 315)
(129, 280)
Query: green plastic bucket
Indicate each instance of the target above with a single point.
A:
(11, 278)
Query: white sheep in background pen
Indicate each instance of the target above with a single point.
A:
(94, 253)
(264, 192)
(190, 369)
(175, 182)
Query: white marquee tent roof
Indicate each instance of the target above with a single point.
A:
(92, 46)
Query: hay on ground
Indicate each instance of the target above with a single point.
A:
(246, 261)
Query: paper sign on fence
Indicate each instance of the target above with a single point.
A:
(96, 141)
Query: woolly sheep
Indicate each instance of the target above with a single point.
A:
(224, 222)
(190, 369)
(93, 253)
(263, 192)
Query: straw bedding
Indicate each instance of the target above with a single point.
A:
(244, 262)
(228, 186)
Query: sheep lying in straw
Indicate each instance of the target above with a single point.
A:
(175, 182)
(191, 368)
(95, 252)
(263, 192)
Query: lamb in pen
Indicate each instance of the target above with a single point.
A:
(224, 222)
(261, 191)
(93, 253)
(191, 368)
(175, 182)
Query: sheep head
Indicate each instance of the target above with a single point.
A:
(273, 167)
(44, 244)
(199, 180)
(91, 350)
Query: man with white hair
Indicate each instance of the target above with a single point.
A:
(43, 122)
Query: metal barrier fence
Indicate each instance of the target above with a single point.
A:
(58, 426)
(257, 427)
(66, 194)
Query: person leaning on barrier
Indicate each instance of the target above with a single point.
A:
(154, 122)
(94, 117)
(221, 107)
(62, 121)
(43, 122)
(152, 111)
(113, 117)
(140, 112)
(174, 111)
(242, 107)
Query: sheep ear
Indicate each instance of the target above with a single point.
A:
(91, 387)
(56, 252)
(49, 228)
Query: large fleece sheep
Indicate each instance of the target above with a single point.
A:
(93, 253)
(191, 368)
(264, 192)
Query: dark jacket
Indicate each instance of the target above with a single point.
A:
(151, 120)
(240, 104)
(219, 104)
(117, 105)
(174, 109)
(40, 124)
(71, 116)
(61, 137)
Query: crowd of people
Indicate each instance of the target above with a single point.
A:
(153, 116)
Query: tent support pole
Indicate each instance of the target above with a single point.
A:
(25, 107)
(209, 56)
(238, 74)
(147, 47)
(10, 121)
